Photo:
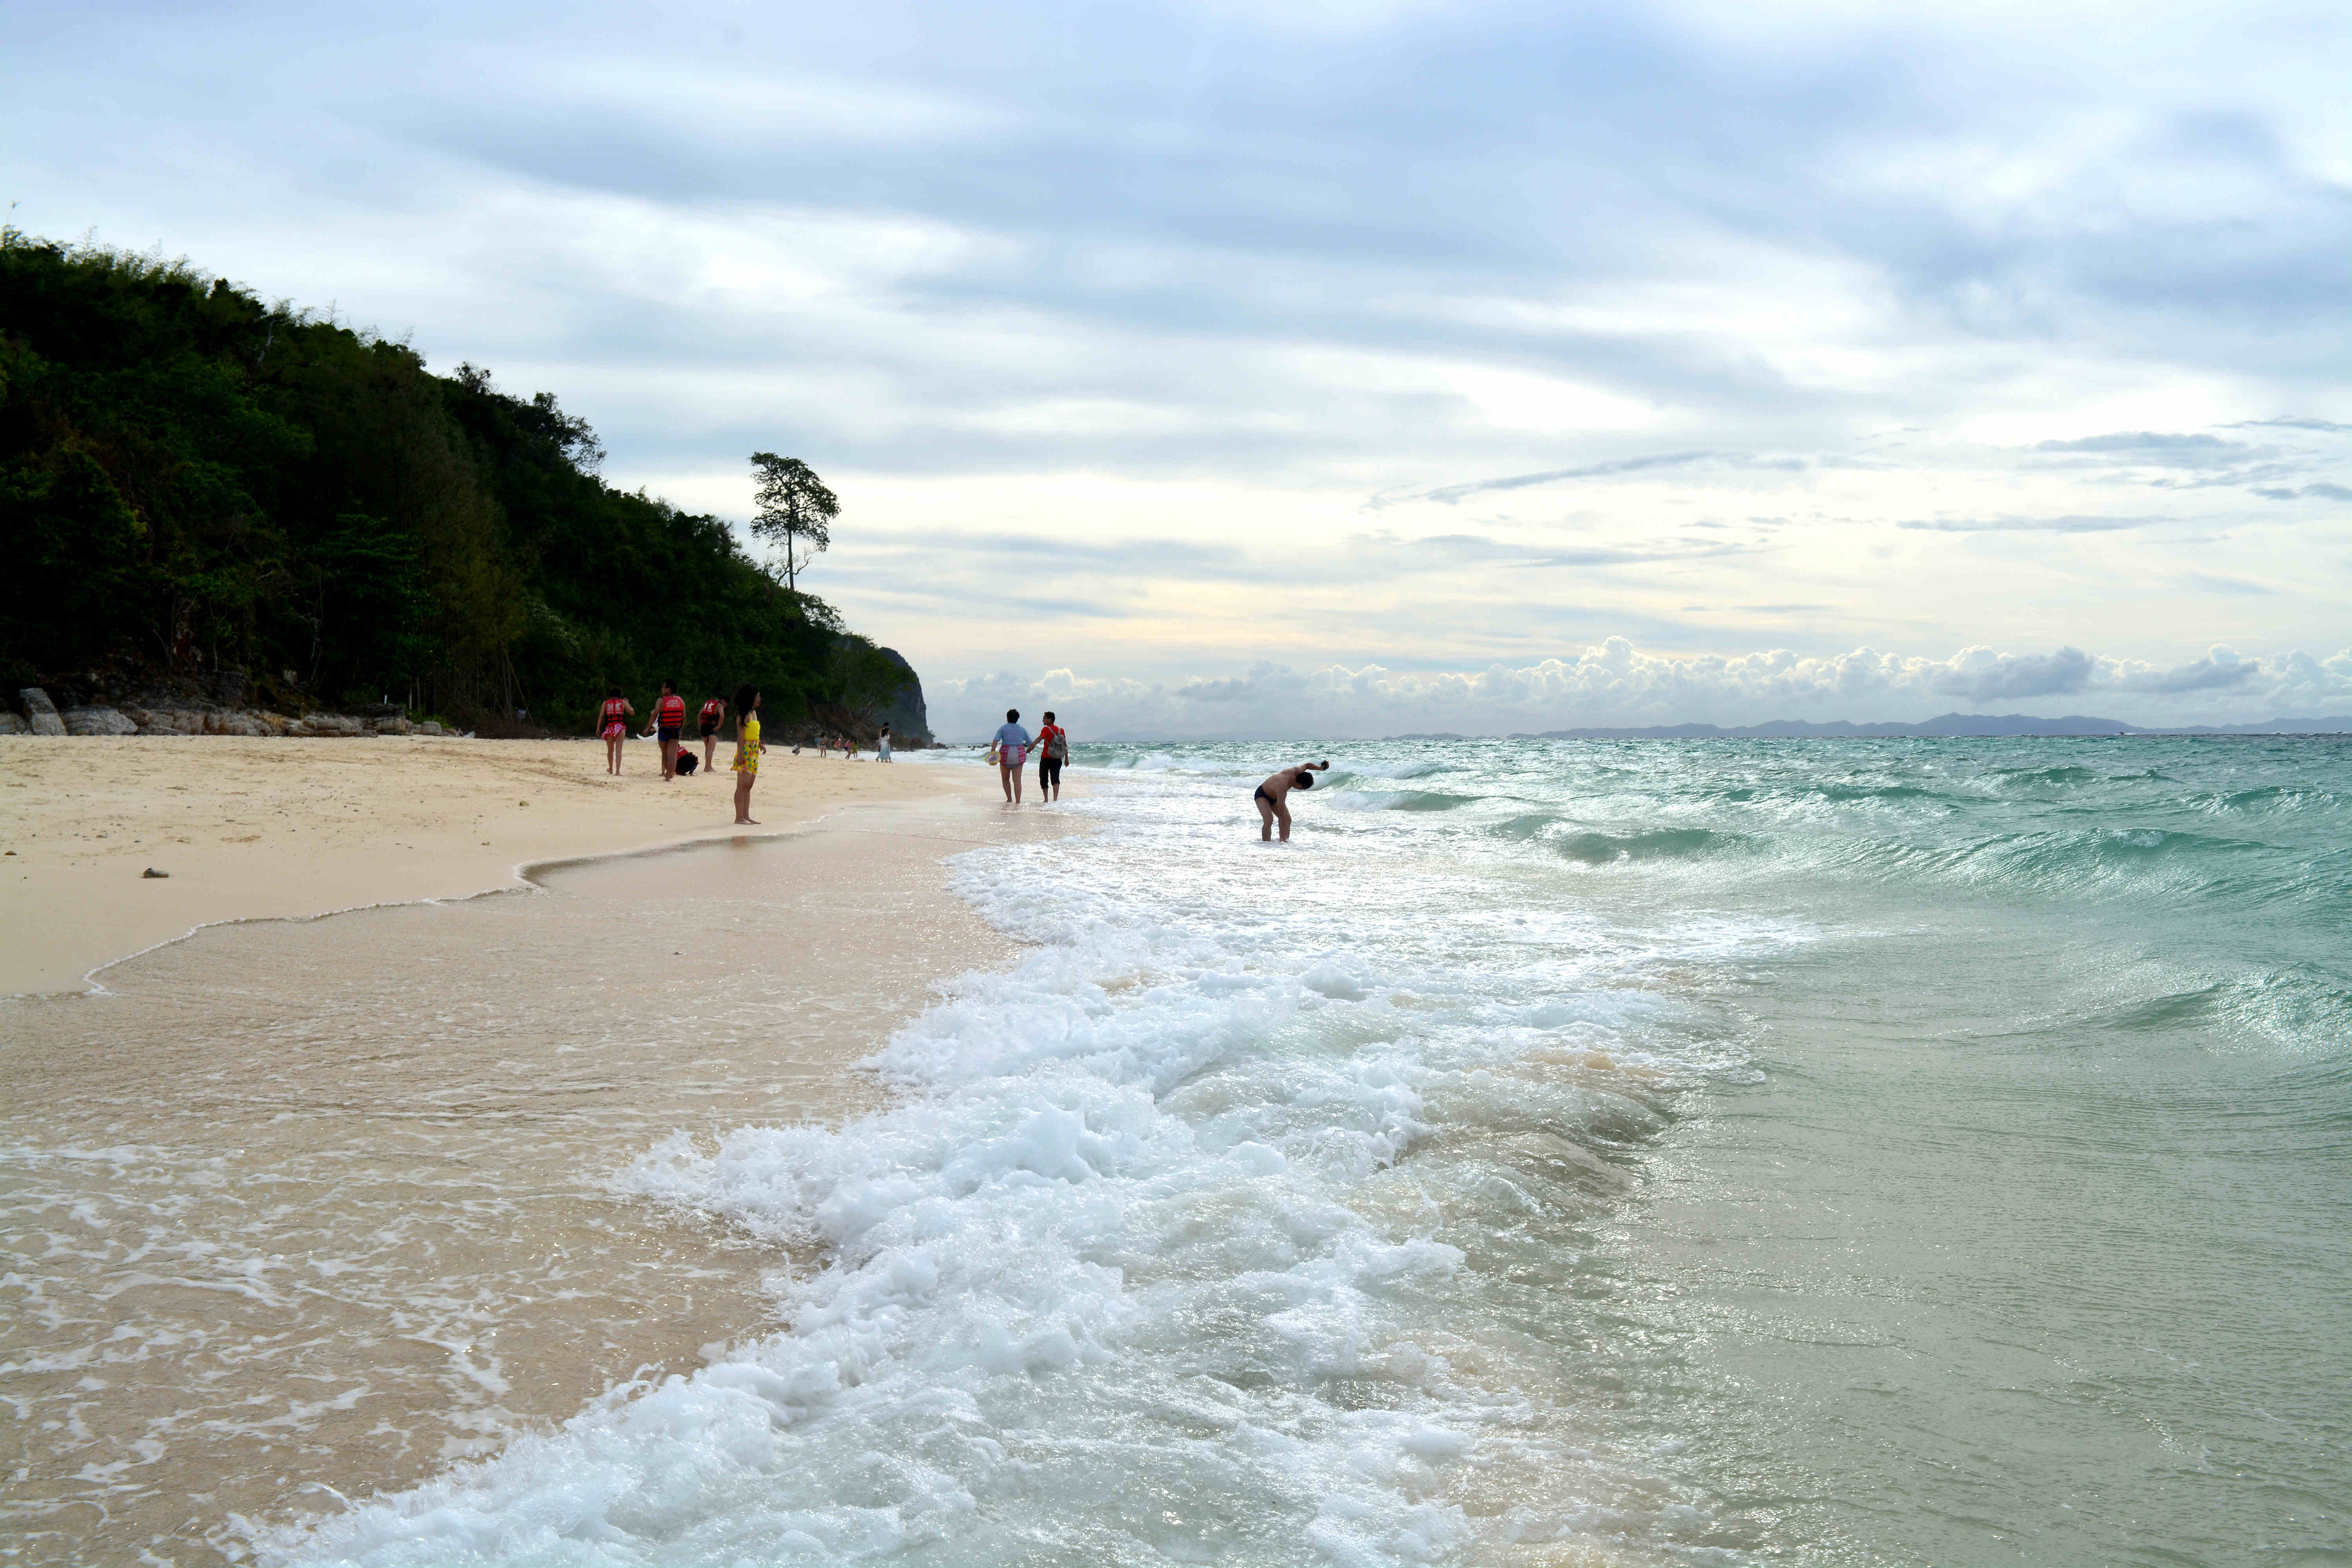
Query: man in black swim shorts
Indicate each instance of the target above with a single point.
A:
(1272, 798)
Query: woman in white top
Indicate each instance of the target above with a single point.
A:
(882, 746)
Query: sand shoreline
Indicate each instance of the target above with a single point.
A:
(261, 828)
(338, 1192)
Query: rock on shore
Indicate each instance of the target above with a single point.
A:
(41, 717)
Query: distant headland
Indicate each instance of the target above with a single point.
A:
(1948, 725)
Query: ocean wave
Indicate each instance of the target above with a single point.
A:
(2063, 776)
(1592, 848)
(1171, 763)
(1218, 1207)
(2102, 862)
(2272, 799)
(2299, 1007)
(1842, 792)
(1400, 800)
(1148, 1199)
(1415, 770)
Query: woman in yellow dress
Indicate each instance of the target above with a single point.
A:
(747, 751)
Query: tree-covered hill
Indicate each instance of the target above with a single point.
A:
(193, 481)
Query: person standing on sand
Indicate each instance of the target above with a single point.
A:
(1011, 749)
(747, 752)
(612, 724)
(1053, 751)
(713, 712)
(670, 722)
(882, 746)
(1272, 798)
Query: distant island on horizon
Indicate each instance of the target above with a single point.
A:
(1954, 726)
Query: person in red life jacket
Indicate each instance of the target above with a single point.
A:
(670, 722)
(612, 725)
(1053, 751)
(706, 721)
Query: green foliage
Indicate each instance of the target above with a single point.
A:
(192, 479)
(867, 680)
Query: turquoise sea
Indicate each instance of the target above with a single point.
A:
(1824, 1153)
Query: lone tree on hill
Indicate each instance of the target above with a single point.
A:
(796, 511)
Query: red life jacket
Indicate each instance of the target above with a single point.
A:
(671, 709)
(616, 711)
(711, 709)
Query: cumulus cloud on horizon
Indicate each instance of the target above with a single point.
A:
(1615, 684)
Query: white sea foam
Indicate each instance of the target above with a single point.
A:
(1162, 1254)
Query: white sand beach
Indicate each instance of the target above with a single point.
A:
(317, 1206)
(258, 828)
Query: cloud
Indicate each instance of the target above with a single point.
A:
(1448, 494)
(1980, 674)
(2216, 583)
(1104, 323)
(2198, 449)
(2312, 491)
(2221, 670)
(1615, 683)
(2072, 523)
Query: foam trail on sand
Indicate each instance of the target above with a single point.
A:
(1595, 1152)
(1154, 1261)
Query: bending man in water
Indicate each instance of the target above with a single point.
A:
(1273, 795)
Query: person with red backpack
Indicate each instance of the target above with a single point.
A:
(1053, 751)
(712, 712)
(670, 722)
(612, 727)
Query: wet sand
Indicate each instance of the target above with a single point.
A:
(296, 1210)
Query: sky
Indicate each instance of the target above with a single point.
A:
(1359, 367)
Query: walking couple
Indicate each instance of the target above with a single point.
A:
(1010, 750)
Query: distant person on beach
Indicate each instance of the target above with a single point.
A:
(670, 722)
(1011, 750)
(612, 724)
(747, 752)
(1273, 797)
(713, 713)
(1053, 751)
(882, 746)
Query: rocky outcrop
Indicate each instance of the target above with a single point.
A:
(40, 713)
(181, 717)
(909, 725)
(95, 720)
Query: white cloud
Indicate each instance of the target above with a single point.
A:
(1803, 327)
(1615, 683)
